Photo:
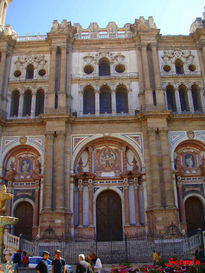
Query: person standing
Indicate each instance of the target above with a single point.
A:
(25, 260)
(58, 264)
(82, 265)
(155, 256)
(17, 259)
(42, 266)
(95, 263)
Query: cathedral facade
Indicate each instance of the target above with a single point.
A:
(102, 130)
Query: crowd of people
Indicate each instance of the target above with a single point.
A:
(86, 263)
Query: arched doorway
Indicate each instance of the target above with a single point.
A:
(194, 214)
(109, 216)
(24, 211)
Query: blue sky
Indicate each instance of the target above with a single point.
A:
(34, 16)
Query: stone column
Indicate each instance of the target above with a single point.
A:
(36, 210)
(140, 68)
(59, 170)
(113, 102)
(63, 68)
(33, 105)
(90, 151)
(190, 99)
(80, 203)
(90, 193)
(2, 70)
(48, 170)
(177, 99)
(157, 76)
(20, 109)
(69, 76)
(97, 102)
(124, 158)
(136, 195)
(81, 110)
(130, 102)
(166, 168)
(67, 158)
(181, 205)
(202, 63)
(126, 201)
(52, 69)
(154, 168)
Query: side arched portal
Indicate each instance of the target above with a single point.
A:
(24, 211)
(109, 216)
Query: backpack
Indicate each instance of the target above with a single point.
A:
(17, 258)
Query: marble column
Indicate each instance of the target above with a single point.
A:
(190, 99)
(20, 109)
(80, 203)
(59, 170)
(154, 168)
(181, 205)
(126, 201)
(90, 196)
(33, 105)
(97, 102)
(48, 172)
(136, 196)
(178, 103)
(166, 168)
(113, 101)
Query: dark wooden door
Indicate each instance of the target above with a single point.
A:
(109, 217)
(24, 211)
(194, 214)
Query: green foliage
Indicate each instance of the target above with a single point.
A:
(151, 270)
(161, 263)
(192, 269)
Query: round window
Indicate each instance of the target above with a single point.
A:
(17, 73)
(42, 72)
(120, 68)
(88, 69)
(167, 68)
(192, 67)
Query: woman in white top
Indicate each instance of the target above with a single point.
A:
(96, 263)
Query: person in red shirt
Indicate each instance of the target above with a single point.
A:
(25, 259)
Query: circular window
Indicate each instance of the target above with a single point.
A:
(17, 73)
(120, 68)
(192, 67)
(167, 68)
(42, 72)
(88, 69)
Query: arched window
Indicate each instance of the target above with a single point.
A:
(171, 103)
(89, 100)
(29, 71)
(105, 100)
(183, 98)
(196, 97)
(39, 102)
(27, 103)
(14, 103)
(179, 66)
(121, 100)
(104, 67)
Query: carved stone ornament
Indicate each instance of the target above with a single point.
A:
(64, 27)
(23, 140)
(39, 60)
(190, 134)
(172, 55)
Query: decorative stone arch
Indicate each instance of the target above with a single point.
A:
(16, 144)
(92, 138)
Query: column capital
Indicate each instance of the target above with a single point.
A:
(179, 183)
(136, 186)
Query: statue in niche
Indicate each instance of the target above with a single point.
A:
(11, 173)
(134, 164)
(25, 166)
(107, 159)
(36, 173)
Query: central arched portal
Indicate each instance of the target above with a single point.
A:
(194, 214)
(109, 216)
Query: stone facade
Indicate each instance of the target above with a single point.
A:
(98, 112)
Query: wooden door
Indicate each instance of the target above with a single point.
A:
(194, 214)
(24, 211)
(109, 217)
